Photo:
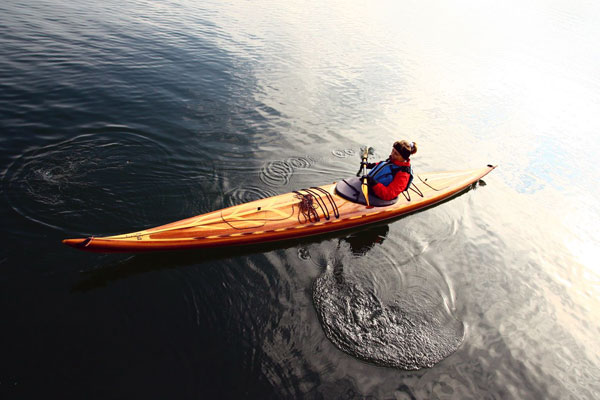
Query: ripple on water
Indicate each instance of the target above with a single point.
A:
(343, 153)
(93, 180)
(246, 194)
(278, 173)
(410, 332)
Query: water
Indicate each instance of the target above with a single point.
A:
(122, 115)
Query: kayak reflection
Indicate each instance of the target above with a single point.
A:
(362, 242)
(119, 268)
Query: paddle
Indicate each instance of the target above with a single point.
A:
(363, 170)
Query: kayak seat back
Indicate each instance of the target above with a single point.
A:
(350, 189)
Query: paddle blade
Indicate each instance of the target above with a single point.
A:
(365, 190)
(366, 151)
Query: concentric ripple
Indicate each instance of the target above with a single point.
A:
(300, 162)
(343, 153)
(410, 332)
(278, 173)
(245, 194)
(92, 181)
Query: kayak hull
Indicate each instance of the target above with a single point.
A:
(300, 214)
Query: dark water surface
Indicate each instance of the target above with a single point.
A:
(116, 116)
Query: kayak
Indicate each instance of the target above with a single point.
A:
(306, 212)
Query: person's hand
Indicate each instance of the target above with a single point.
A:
(371, 181)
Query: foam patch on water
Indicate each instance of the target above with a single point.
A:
(410, 332)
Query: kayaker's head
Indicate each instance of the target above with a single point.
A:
(402, 150)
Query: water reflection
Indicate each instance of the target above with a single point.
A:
(361, 242)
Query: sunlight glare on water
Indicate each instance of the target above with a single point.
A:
(125, 115)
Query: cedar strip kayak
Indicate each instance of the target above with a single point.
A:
(303, 213)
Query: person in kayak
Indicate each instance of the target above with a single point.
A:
(387, 179)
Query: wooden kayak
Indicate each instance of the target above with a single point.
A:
(302, 213)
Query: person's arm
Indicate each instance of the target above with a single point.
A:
(392, 190)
